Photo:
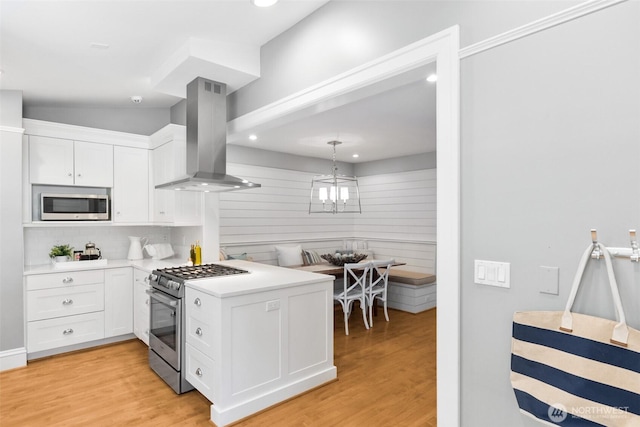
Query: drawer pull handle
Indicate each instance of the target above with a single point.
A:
(67, 331)
(197, 302)
(147, 301)
(67, 280)
(199, 332)
(67, 302)
(199, 372)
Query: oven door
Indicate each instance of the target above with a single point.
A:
(164, 331)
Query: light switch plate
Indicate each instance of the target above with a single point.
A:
(548, 281)
(492, 273)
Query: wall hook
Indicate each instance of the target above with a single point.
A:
(635, 251)
(596, 253)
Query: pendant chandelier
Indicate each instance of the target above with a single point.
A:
(334, 193)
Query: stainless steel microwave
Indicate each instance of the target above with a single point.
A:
(74, 207)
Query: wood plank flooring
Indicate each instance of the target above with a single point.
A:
(386, 377)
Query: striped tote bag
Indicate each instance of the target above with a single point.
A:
(571, 369)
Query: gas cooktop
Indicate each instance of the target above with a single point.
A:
(199, 271)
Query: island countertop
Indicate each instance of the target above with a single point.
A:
(261, 277)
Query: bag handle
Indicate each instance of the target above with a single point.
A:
(620, 334)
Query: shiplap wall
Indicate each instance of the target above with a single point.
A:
(398, 219)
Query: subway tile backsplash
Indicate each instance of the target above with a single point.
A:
(112, 241)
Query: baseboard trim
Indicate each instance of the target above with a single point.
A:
(14, 358)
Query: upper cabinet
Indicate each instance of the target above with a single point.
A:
(169, 163)
(126, 166)
(55, 161)
(130, 185)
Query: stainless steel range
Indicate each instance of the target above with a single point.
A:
(167, 319)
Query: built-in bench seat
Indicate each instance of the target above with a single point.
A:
(411, 291)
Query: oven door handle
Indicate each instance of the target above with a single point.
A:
(161, 298)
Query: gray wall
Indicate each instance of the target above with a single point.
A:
(137, 120)
(550, 149)
(314, 50)
(11, 241)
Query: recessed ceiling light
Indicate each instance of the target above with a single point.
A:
(432, 78)
(264, 3)
(355, 156)
(253, 137)
(204, 183)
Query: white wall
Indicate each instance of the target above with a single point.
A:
(398, 218)
(113, 241)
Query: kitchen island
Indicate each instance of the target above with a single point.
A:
(254, 340)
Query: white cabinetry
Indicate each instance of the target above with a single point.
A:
(245, 352)
(130, 185)
(64, 309)
(56, 161)
(141, 305)
(168, 163)
(118, 310)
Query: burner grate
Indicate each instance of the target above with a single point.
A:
(201, 271)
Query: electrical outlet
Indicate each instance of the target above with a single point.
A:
(273, 305)
(549, 278)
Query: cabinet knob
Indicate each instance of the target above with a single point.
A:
(67, 331)
(197, 302)
(69, 174)
(199, 332)
(147, 301)
(67, 280)
(67, 302)
(79, 175)
(199, 372)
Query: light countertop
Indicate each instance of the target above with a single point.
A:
(147, 265)
(262, 277)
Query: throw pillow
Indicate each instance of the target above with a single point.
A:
(289, 256)
(311, 257)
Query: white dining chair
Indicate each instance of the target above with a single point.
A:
(356, 277)
(377, 284)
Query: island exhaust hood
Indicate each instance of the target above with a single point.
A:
(207, 141)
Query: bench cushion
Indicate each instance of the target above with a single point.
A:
(411, 277)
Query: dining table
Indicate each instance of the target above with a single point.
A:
(335, 270)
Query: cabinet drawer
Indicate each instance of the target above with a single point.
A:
(69, 278)
(201, 306)
(63, 331)
(66, 301)
(200, 372)
(200, 334)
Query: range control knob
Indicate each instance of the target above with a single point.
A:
(173, 285)
(153, 277)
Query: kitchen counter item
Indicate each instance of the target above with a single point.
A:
(135, 247)
(91, 252)
(159, 250)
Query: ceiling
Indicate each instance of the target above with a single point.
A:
(101, 53)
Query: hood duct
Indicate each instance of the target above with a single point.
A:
(207, 141)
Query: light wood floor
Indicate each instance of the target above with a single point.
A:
(386, 377)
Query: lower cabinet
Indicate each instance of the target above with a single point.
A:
(64, 309)
(63, 331)
(141, 305)
(118, 310)
(77, 307)
(248, 351)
